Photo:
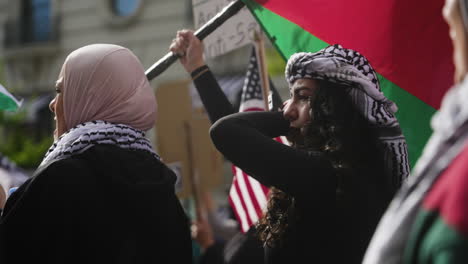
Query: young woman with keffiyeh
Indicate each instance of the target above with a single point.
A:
(347, 159)
(101, 193)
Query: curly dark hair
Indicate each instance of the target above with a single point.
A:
(335, 130)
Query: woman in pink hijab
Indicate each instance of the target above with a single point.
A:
(101, 193)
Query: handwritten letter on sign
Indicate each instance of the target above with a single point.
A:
(236, 32)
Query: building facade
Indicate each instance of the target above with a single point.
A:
(37, 35)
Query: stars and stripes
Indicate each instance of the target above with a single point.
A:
(247, 196)
(252, 97)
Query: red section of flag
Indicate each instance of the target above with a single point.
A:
(448, 196)
(255, 202)
(242, 197)
(248, 199)
(407, 42)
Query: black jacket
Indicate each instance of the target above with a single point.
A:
(105, 205)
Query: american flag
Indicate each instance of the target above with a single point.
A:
(247, 196)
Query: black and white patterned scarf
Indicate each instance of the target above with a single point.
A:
(86, 135)
(348, 67)
(450, 126)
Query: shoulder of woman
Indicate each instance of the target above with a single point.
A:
(104, 163)
(63, 171)
(56, 179)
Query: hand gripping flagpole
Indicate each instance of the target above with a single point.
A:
(162, 64)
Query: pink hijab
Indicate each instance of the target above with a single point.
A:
(106, 82)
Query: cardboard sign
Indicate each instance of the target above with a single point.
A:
(183, 141)
(236, 32)
(173, 110)
(207, 160)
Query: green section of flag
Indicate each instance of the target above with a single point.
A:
(7, 101)
(413, 114)
(292, 38)
(433, 240)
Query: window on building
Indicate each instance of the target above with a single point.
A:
(125, 7)
(36, 20)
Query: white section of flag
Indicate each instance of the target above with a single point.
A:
(259, 194)
(239, 209)
(241, 182)
(252, 104)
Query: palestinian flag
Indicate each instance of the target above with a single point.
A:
(7, 101)
(440, 231)
(406, 41)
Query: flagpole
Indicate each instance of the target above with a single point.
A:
(162, 64)
(192, 171)
(263, 71)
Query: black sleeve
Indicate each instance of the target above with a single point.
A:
(246, 140)
(215, 101)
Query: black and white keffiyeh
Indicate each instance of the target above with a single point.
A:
(348, 67)
(450, 126)
(86, 135)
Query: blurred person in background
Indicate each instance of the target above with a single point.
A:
(220, 237)
(11, 177)
(101, 193)
(427, 221)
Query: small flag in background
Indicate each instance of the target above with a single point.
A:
(8, 101)
(247, 196)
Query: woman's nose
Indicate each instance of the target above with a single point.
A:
(289, 111)
(52, 105)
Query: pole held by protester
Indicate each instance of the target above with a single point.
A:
(162, 64)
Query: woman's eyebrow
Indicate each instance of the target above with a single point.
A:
(300, 88)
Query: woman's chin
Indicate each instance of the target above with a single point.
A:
(295, 135)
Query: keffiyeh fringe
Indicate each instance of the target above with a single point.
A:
(86, 135)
